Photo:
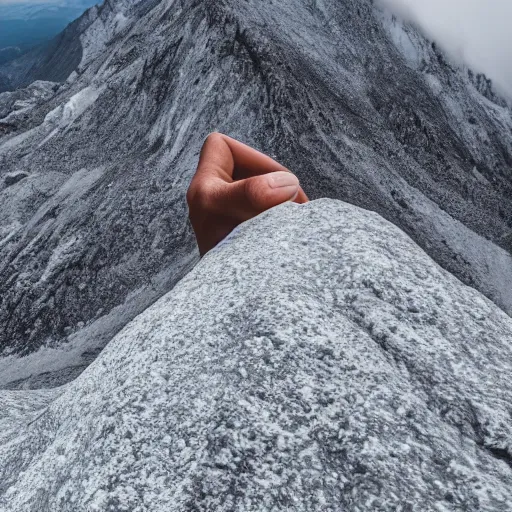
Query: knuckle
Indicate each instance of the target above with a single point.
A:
(198, 196)
(212, 137)
(255, 193)
(190, 195)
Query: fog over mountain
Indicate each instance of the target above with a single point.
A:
(98, 144)
(474, 32)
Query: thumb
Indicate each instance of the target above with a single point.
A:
(247, 198)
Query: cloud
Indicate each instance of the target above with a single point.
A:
(478, 32)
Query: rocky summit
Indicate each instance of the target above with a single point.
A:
(355, 360)
(335, 367)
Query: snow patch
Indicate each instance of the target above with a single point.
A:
(404, 39)
(120, 21)
(59, 256)
(64, 115)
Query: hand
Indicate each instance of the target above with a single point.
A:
(234, 183)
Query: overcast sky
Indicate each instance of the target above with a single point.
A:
(476, 31)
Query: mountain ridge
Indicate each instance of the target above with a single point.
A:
(357, 104)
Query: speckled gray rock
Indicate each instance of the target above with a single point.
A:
(15, 177)
(317, 360)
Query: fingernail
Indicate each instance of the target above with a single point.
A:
(282, 179)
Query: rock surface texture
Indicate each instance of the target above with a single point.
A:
(334, 367)
(359, 105)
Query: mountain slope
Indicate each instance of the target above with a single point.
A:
(359, 105)
(54, 60)
(24, 26)
(334, 367)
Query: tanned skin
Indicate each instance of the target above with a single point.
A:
(234, 183)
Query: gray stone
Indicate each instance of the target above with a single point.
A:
(316, 360)
(14, 177)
